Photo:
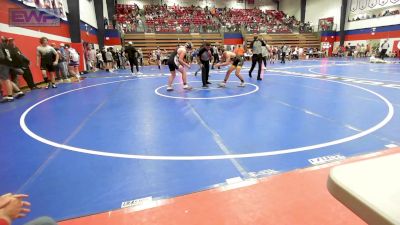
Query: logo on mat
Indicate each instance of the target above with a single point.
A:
(34, 17)
(263, 173)
(326, 159)
(136, 202)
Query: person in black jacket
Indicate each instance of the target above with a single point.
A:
(20, 65)
(204, 57)
(5, 65)
(132, 55)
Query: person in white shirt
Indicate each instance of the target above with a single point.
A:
(109, 60)
(284, 50)
(100, 61)
(295, 53)
(384, 47)
(301, 52)
(47, 59)
(91, 57)
(73, 59)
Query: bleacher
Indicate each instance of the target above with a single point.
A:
(169, 42)
(161, 18)
(167, 26)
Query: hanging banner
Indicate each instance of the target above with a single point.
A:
(372, 3)
(362, 4)
(353, 5)
(52, 7)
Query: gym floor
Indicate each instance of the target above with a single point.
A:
(91, 147)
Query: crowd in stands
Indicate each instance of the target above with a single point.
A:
(127, 19)
(256, 20)
(163, 18)
(373, 14)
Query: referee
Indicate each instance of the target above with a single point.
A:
(204, 58)
(256, 46)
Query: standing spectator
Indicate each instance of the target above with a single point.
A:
(114, 21)
(301, 52)
(48, 58)
(264, 55)
(296, 53)
(117, 62)
(103, 55)
(273, 56)
(384, 47)
(19, 61)
(24, 63)
(140, 56)
(91, 57)
(195, 55)
(5, 64)
(357, 52)
(105, 22)
(289, 53)
(109, 60)
(62, 63)
(121, 59)
(158, 56)
(239, 51)
(73, 62)
(215, 53)
(100, 60)
(132, 56)
(283, 53)
(363, 50)
(56, 68)
(349, 50)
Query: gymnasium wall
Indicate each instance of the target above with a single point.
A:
(105, 9)
(363, 7)
(86, 9)
(291, 7)
(383, 21)
(317, 9)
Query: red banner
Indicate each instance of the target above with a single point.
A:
(396, 46)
